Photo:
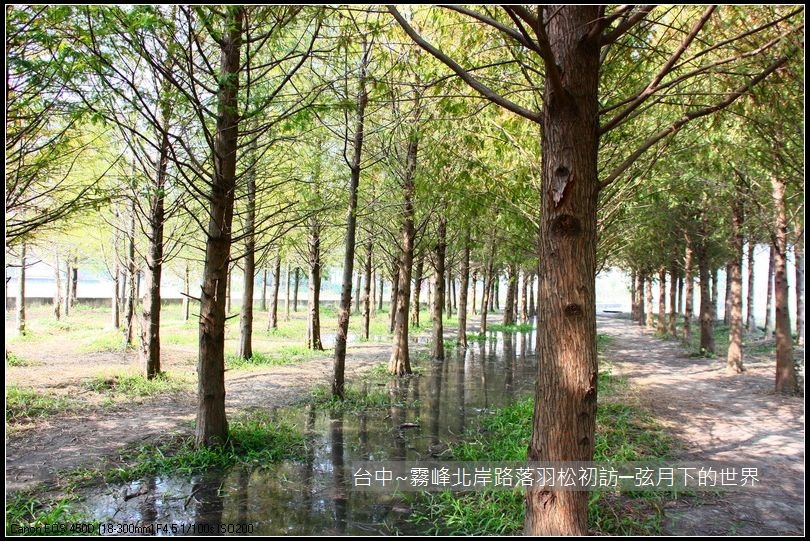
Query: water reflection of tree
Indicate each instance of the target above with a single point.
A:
(341, 488)
(461, 372)
(210, 503)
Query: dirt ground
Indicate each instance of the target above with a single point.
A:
(719, 416)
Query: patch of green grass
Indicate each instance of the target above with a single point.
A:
(179, 339)
(603, 341)
(28, 510)
(623, 433)
(285, 355)
(253, 438)
(136, 385)
(473, 337)
(13, 359)
(25, 404)
(517, 327)
(108, 341)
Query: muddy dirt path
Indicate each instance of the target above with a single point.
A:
(718, 416)
(66, 441)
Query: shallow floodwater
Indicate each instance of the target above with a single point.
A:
(314, 496)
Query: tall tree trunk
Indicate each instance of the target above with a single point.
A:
(116, 276)
(272, 319)
(734, 356)
(368, 296)
(532, 307)
(798, 249)
(650, 313)
(662, 302)
(314, 317)
(264, 289)
(727, 297)
(400, 362)
(715, 295)
(417, 289)
(509, 307)
(439, 253)
(129, 328)
(689, 294)
(565, 401)
(474, 285)
(750, 321)
(381, 289)
(706, 312)
(57, 295)
(462, 301)
(394, 292)
(493, 284)
(356, 297)
(212, 425)
(286, 290)
(487, 279)
(228, 298)
(497, 296)
(769, 296)
(642, 312)
(448, 301)
(351, 232)
(186, 299)
(150, 311)
(680, 293)
(246, 313)
(295, 288)
(455, 298)
(67, 285)
(74, 288)
(21, 293)
(786, 381)
(673, 307)
(524, 297)
(633, 299)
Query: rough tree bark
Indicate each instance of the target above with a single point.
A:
(798, 249)
(129, 323)
(642, 311)
(673, 307)
(662, 302)
(439, 252)
(727, 297)
(650, 313)
(769, 295)
(567, 362)
(680, 293)
(786, 381)
(368, 294)
(246, 313)
(715, 296)
(487, 286)
(314, 306)
(400, 362)
(750, 321)
(150, 311)
(57, 295)
(351, 232)
(707, 316)
(212, 425)
(448, 301)
(462, 301)
(272, 318)
(689, 294)
(734, 357)
(20, 308)
(509, 306)
(417, 289)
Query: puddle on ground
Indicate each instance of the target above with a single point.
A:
(314, 496)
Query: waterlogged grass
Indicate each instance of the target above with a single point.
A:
(133, 386)
(253, 439)
(623, 433)
(516, 327)
(356, 400)
(25, 404)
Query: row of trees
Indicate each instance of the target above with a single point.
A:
(237, 135)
